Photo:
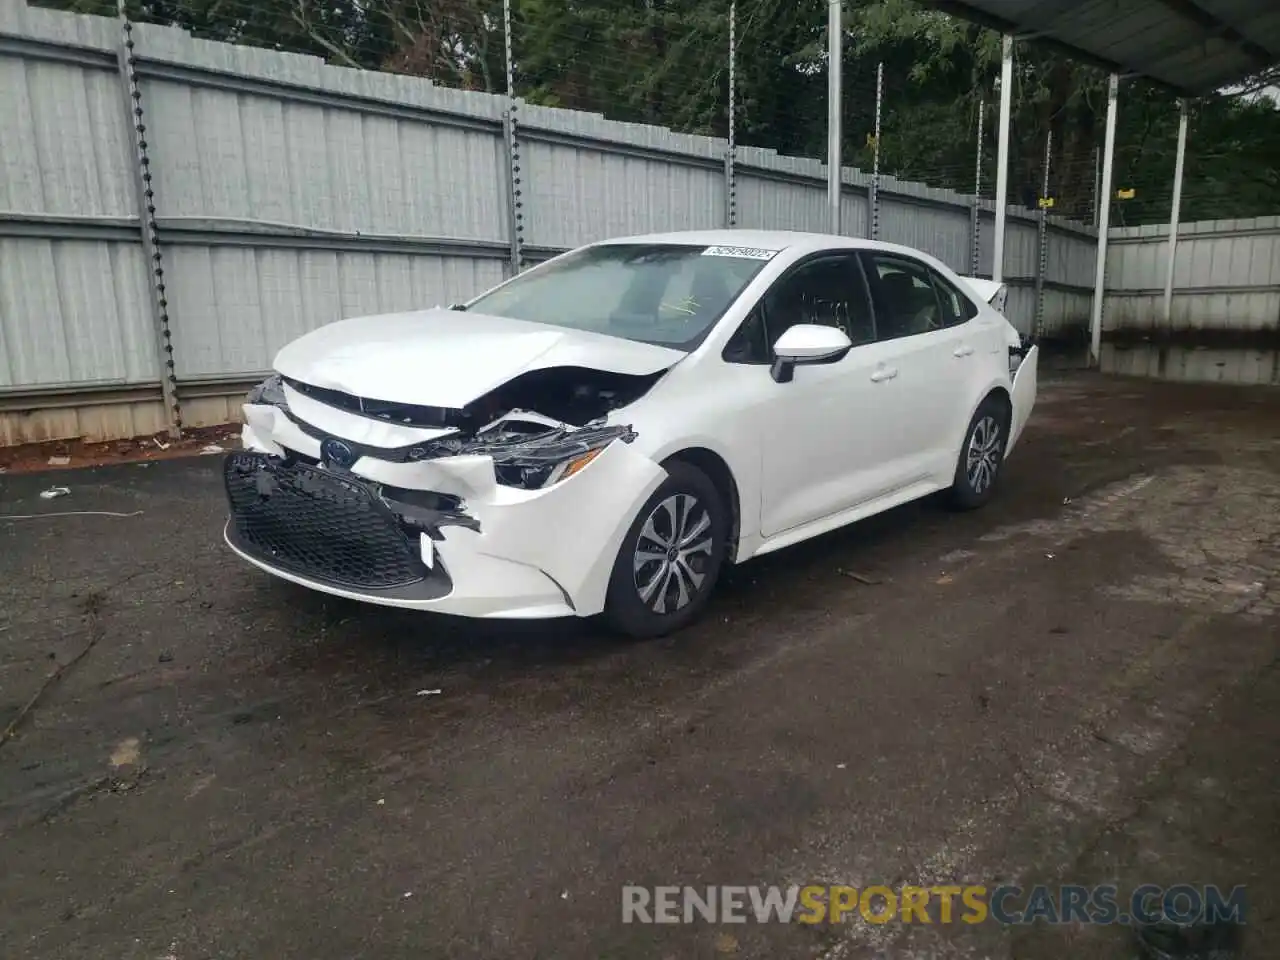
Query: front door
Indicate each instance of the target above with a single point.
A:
(823, 433)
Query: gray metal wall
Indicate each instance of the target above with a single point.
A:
(1224, 323)
(73, 289)
(289, 194)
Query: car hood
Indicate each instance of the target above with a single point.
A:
(448, 358)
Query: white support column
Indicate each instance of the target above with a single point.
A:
(1176, 212)
(835, 112)
(1104, 222)
(1002, 160)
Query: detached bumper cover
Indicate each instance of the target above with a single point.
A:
(325, 527)
(1025, 389)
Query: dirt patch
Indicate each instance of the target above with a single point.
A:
(71, 454)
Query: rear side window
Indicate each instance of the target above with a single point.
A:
(911, 298)
(956, 307)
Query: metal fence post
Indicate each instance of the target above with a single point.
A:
(1042, 238)
(126, 62)
(873, 195)
(975, 223)
(730, 157)
(511, 135)
(1097, 185)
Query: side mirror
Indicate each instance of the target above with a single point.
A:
(807, 343)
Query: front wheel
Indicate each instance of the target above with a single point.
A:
(670, 558)
(982, 456)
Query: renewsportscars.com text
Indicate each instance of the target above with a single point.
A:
(940, 904)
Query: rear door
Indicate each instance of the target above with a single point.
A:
(925, 323)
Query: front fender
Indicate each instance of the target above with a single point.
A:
(743, 456)
(572, 532)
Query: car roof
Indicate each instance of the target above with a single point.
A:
(798, 241)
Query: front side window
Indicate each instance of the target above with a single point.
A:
(828, 291)
(665, 294)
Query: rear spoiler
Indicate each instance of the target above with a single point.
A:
(989, 291)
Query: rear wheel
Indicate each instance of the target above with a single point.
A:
(670, 558)
(981, 456)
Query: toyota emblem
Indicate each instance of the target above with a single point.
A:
(336, 453)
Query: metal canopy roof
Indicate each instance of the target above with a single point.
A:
(1195, 47)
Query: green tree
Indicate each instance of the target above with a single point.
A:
(665, 62)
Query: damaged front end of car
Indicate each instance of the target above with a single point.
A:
(530, 449)
(395, 500)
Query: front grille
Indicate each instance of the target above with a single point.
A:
(318, 524)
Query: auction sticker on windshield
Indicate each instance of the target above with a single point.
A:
(744, 253)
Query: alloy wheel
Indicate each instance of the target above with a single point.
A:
(983, 458)
(672, 553)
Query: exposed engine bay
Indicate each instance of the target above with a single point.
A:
(570, 395)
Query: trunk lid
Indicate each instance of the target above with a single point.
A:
(992, 292)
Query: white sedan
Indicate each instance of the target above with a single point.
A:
(603, 432)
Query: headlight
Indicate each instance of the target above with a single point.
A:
(270, 392)
(537, 464)
(534, 475)
(528, 460)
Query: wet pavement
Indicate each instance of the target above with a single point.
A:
(1077, 684)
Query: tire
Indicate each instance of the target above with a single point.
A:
(975, 482)
(644, 599)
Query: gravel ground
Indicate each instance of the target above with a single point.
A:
(1075, 684)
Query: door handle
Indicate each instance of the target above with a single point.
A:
(883, 374)
(962, 351)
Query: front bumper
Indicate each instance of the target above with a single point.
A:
(500, 552)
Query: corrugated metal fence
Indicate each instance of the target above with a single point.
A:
(1224, 324)
(282, 193)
